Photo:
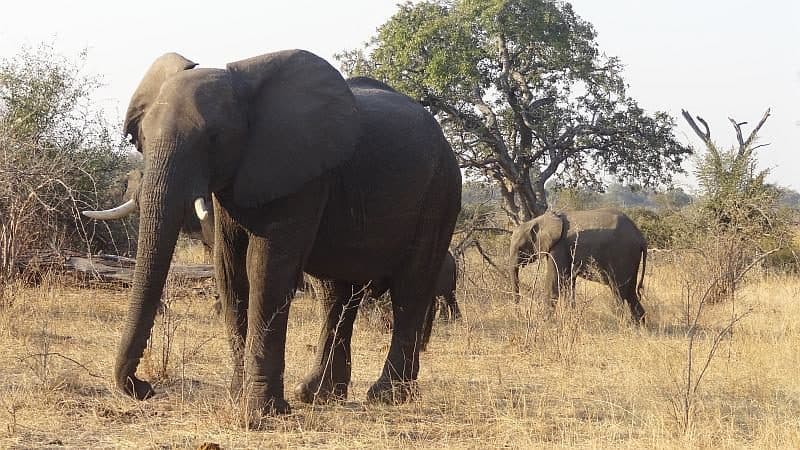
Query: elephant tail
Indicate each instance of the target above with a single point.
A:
(640, 283)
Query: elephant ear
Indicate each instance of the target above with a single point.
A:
(302, 122)
(547, 230)
(162, 68)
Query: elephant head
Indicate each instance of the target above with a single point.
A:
(545, 232)
(531, 240)
(130, 199)
(253, 132)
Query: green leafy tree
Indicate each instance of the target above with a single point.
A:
(58, 154)
(523, 93)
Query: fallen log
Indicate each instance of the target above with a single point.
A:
(100, 268)
(120, 269)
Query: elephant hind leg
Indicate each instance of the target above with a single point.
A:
(412, 307)
(330, 377)
(413, 290)
(628, 294)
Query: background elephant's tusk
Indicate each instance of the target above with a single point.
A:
(200, 208)
(113, 213)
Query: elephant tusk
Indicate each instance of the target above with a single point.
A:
(200, 208)
(113, 213)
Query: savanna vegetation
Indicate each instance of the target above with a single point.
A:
(539, 118)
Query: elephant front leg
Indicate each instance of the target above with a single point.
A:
(272, 276)
(233, 291)
(330, 377)
(553, 283)
(515, 281)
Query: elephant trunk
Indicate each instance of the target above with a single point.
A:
(162, 205)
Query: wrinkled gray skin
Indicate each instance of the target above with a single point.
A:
(192, 226)
(202, 230)
(347, 181)
(599, 245)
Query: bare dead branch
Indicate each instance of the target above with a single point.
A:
(755, 131)
(704, 135)
(738, 127)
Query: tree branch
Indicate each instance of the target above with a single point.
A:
(705, 136)
(755, 131)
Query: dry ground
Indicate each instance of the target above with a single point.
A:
(505, 376)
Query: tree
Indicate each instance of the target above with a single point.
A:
(741, 222)
(523, 93)
(58, 154)
(734, 191)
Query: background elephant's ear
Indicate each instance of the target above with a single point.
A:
(548, 229)
(302, 122)
(162, 68)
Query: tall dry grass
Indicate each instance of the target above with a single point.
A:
(507, 375)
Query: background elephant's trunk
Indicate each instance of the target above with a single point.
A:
(161, 210)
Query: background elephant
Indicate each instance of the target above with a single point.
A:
(445, 291)
(347, 181)
(600, 245)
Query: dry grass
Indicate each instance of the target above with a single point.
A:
(506, 376)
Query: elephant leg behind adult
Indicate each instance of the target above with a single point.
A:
(446, 290)
(447, 305)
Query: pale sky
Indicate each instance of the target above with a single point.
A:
(716, 58)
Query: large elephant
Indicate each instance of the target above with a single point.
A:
(347, 181)
(599, 245)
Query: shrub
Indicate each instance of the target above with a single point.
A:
(58, 154)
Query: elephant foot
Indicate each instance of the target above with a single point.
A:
(136, 388)
(318, 389)
(392, 392)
